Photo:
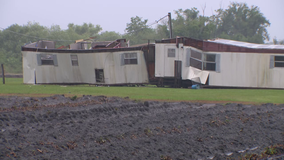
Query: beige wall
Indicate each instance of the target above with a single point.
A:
(236, 69)
(114, 72)
(164, 65)
(247, 70)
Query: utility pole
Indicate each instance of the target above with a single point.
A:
(170, 24)
(3, 74)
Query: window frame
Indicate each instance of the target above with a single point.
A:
(74, 61)
(171, 52)
(278, 61)
(130, 58)
(199, 66)
(205, 62)
(47, 60)
(192, 55)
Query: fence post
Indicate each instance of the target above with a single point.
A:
(3, 74)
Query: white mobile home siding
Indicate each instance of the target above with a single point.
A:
(164, 65)
(110, 62)
(247, 70)
(235, 69)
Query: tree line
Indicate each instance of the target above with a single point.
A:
(237, 22)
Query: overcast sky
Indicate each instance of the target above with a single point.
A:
(113, 15)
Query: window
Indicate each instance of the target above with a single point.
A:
(74, 60)
(196, 54)
(209, 62)
(196, 59)
(276, 61)
(99, 75)
(279, 61)
(196, 63)
(129, 58)
(47, 59)
(171, 52)
(203, 61)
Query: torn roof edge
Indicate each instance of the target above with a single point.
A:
(245, 44)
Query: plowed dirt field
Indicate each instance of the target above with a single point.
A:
(101, 127)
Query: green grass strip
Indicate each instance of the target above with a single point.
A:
(15, 86)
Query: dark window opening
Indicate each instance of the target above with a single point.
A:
(47, 59)
(209, 66)
(47, 62)
(171, 52)
(196, 63)
(130, 61)
(74, 60)
(203, 61)
(279, 61)
(99, 75)
(279, 58)
(279, 64)
(209, 62)
(75, 63)
(209, 57)
(196, 54)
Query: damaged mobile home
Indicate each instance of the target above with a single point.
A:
(177, 62)
(220, 63)
(105, 63)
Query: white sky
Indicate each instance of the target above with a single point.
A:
(113, 15)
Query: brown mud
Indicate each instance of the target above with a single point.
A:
(100, 127)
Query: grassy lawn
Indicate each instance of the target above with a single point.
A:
(14, 86)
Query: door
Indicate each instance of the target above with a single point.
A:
(170, 53)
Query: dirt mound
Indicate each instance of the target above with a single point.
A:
(99, 127)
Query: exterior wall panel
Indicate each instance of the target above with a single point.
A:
(164, 65)
(160, 60)
(247, 70)
(114, 72)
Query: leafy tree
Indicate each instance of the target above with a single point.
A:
(15, 36)
(136, 25)
(88, 30)
(190, 24)
(108, 36)
(275, 41)
(239, 22)
(162, 31)
(56, 34)
(138, 32)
